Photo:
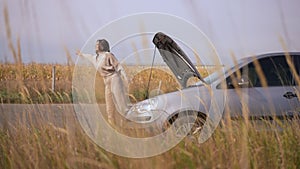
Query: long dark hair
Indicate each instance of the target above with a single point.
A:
(103, 45)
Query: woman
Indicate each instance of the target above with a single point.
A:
(110, 69)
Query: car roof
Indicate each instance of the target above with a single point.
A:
(246, 60)
(264, 55)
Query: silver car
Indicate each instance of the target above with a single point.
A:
(263, 86)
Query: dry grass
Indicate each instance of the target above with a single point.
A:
(235, 144)
(238, 146)
(32, 83)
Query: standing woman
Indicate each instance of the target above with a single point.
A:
(111, 70)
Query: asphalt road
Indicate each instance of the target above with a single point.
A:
(56, 114)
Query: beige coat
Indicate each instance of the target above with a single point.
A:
(116, 92)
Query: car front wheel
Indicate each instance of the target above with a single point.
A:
(186, 124)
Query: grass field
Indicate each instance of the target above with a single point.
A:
(32, 83)
(235, 144)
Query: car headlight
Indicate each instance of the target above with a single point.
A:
(145, 111)
(147, 105)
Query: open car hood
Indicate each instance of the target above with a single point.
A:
(175, 58)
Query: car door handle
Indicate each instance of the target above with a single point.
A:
(290, 95)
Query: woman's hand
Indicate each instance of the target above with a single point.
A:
(78, 53)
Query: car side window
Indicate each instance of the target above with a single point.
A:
(243, 78)
(296, 59)
(269, 71)
(275, 71)
(238, 79)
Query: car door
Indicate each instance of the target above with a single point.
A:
(276, 83)
(263, 88)
(242, 98)
(294, 94)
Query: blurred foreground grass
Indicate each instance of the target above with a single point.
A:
(234, 145)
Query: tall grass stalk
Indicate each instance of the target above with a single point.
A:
(262, 144)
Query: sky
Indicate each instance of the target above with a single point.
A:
(48, 31)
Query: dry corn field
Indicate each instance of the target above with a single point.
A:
(32, 83)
